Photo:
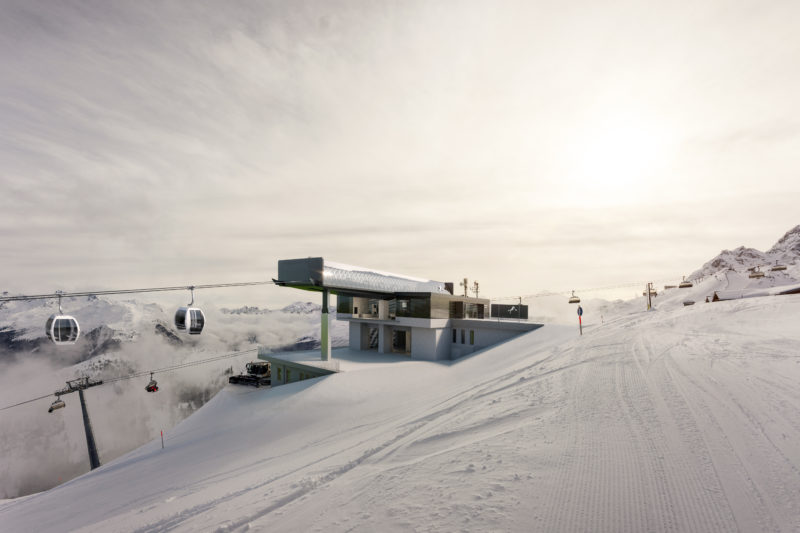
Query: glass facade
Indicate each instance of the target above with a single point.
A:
(414, 307)
(344, 304)
(410, 305)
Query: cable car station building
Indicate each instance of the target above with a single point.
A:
(390, 313)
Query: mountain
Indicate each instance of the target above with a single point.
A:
(788, 247)
(245, 310)
(742, 259)
(304, 308)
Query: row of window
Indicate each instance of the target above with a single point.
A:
(439, 306)
(464, 336)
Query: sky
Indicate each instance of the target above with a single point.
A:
(531, 146)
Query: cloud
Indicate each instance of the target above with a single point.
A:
(41, 449)
(193, 142)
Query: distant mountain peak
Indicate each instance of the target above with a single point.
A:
(789, 243)
(245, 310)
(303, 308)
(785, 251)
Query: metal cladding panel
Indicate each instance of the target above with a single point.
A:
(307, 271)
(346, 277)
(313, 273)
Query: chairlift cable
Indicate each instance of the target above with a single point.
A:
(26, 401)
(146, 372)
(180, 366)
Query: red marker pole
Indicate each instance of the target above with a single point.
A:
(580, 322)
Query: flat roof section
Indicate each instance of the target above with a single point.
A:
(316, 274)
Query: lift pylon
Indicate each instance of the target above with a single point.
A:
(79, 385)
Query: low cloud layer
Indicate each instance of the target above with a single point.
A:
(42, 449)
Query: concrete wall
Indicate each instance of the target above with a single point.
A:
(432, 340)
(429, 344)
(487, 333)
(357, 336)
(284, 372)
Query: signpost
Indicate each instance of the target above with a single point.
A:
(580, 323)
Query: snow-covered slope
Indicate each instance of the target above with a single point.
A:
(679, 419)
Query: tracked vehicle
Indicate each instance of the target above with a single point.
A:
(258, 373)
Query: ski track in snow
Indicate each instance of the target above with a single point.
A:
(681, 420)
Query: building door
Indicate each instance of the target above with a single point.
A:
(401, 341)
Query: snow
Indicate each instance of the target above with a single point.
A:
(677, 419)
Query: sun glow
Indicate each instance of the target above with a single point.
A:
(618, 159)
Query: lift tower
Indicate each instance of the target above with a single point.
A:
(79, 385)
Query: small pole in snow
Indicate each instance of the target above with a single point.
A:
(162, 439)
(580, 322)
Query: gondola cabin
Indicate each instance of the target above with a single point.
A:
(62, 329)
(190, 319)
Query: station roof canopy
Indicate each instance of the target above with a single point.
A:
(316, 274)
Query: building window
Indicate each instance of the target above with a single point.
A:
(280, 378)
(414, 307)
(456, 309)
(472, 336)
(288, 375)
(455, 332)
(462, 337)
(344, 304)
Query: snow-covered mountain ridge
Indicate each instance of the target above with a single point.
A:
(785, 252)
(296, 307)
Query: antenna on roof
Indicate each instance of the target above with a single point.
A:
(475, 288)
(465, 284)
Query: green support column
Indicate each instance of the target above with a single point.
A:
(325, 336)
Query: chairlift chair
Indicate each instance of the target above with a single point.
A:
(685, 284)
(62, 329)
(58, 403)
(153, 385)
(190, 319)
(756, 273)
(574, 299)
(777, 267)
